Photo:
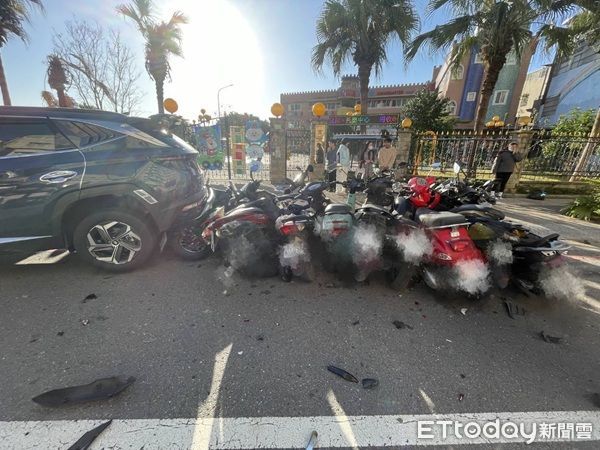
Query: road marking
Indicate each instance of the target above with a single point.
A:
(276, 432)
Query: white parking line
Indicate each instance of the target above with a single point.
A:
(294, 432)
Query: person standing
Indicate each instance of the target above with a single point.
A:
(504, 165)
(331, 159)
(343, 160)
(367, 159)
(319, 154)
(387, 155)
(319, 163)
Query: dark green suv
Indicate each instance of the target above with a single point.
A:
(103, 184)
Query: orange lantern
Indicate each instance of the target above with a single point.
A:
(319, 109)
(170, 105)
(277, 109)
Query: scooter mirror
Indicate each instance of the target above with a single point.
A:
(436, 165)
(456, 168)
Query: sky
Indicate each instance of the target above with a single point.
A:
(262, 47)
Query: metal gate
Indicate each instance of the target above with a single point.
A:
(297, 149)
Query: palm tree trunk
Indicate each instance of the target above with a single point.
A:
(4, 85)
(364, 73)
(62, 98)
(487, 89)
(589, 147)
(160, 94)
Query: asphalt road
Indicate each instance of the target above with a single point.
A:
(166, 323)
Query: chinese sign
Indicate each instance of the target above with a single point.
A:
(379, 119)
(238, 149)
(208, 142)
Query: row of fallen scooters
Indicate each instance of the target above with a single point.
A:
(446, 233)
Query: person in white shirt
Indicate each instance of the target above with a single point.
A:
(343, 161)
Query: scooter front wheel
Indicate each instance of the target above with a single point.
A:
(188, 244)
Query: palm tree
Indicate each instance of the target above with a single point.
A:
(494, 28)
(162, 39)
(361, 30)
(13, 15)
(57, 79)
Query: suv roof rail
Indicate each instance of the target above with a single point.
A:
(60, 112)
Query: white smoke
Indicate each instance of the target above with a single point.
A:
(294, 254)
(414, 246)
(500, 252)
(367, 246)
(471, 276)
(561, 284)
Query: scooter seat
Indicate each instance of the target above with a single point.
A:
(432, 219)
(542, 241)
(338, 208)
(488, 210)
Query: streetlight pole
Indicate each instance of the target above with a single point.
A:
(219, 99)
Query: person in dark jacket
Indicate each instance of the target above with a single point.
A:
(504, 166)
(319, 154)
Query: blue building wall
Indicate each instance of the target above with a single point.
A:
(506, 82)
(473, 78)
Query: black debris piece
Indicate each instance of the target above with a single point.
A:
(401, 325)
(596, 399)
(60, 333)
(356, 322)
(342, 373)
(34, 338)
(550, 339)
(461, 397)
(313, 441)
(101, 389)
(462, 375)
(90, 297)
(84, 442)
(369, 383)
(512, 309)
(260, 337)
(585, 241)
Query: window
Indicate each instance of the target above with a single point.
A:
(30, 136)
(451, 108)
(471, 96)
(84, 134)
(511, 59)
(457, 72)
(524, 99)
(500, 98)
(478, 59)
(294, 106)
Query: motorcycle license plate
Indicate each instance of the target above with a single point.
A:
(454, 232)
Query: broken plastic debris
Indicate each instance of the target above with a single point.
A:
(90, 297)
(400, 325)
(550, 339)
(313, 441)
(60, 333)
(512, 309)
(356, 322)
(240, 353)
(369, 383)
(260, 337)
(463, 311)
(101, 389)
(85, 322)
(342, 373)
(460, 397)
(84, 442)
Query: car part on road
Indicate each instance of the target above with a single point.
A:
(313, 441)
(343, 374)
(401, 325)
(89, 297)
(369, 383)
(101, 389)
(550, 339)
(512, 309)
(84, 442)
(463, 311)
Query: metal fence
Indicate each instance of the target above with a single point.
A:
(476, 152)
(297, 150)
(549, 157)
(555, 157)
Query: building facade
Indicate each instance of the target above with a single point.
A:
(382, 100)
(574, 83)
(462, 86)
(533, 91)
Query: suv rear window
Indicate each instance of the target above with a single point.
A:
(30, 136)
(83, 134)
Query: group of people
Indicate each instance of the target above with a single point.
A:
(337, 157)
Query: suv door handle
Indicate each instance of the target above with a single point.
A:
(59, 176)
